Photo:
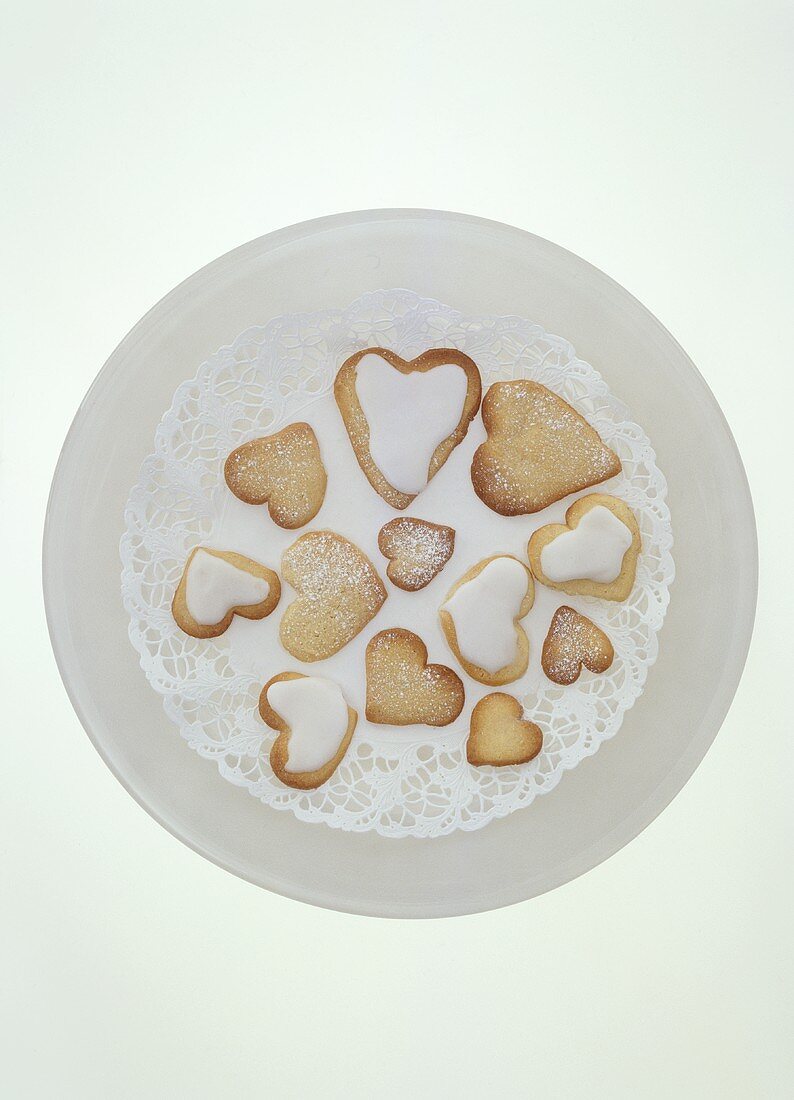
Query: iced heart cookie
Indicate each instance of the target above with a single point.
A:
(500, 735)
(417, 550)
(594, 553)
(574, 641)
(216, 585)
(403, 689)
(338, 593)
(314, 725)
(538, 450)
(405, 417)
(284, 471)
(480, 619)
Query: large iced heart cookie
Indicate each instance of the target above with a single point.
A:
(338, 590)
(539, 449)
(405, 417)
(284, 471)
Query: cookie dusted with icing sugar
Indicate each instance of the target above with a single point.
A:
(403, 689)
(405, 417)
(339, 592)
(500, 735)
(216, 585)
(594, 553)
(417, 551)
(572, 643)
(314, 724)
(284, 470)
(539, 449)
(480, 619)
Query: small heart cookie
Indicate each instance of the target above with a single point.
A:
(538, 450)
(314, 723)
(418, 550)
(405, 417)
(573, 641)
(284, 470)
(594, 553)
(216, 585)
(480, 619)
(500, 735)
(403, 689)
(338, 589)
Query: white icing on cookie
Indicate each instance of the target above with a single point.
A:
(214, 586)
(483, 611)
(592, 551)
(316, 712)
(408, 416)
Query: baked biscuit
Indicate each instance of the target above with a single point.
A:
(405, 417)
(594, 553)
(339, 592)
(574, 641)
(417, 551)
(403, 689)
(538, 450)
(284, 471)
(499, 734)
(216, 585)
(480, 619)
(314, 724)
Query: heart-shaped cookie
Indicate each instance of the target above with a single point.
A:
(500, 735)
(216, 585)
(538, 450)
(338, 590)
(284, 471)
(574, 641)
(481, 619)
(403, 689)
(417, 550)
(314, 723)
(594, 553)
(405, 417)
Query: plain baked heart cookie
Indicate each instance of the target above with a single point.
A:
(417, 551)
(480, 619)
(594, 553)
(405, 417)
(499, 734)
(403, 689)
(574, 641)
(339, 592)
(538, 450)
(284, 471)
(314, 723)
(216, 585)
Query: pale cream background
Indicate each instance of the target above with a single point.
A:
(140, 141)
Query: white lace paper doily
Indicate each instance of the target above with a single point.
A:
(398, 781)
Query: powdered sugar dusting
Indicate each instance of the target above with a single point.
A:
(418, 550)
(402, 689)
(285, 469)
(574, 641)
(339, 592)
(539, 449)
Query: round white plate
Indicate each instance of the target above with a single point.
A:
(475, 266)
